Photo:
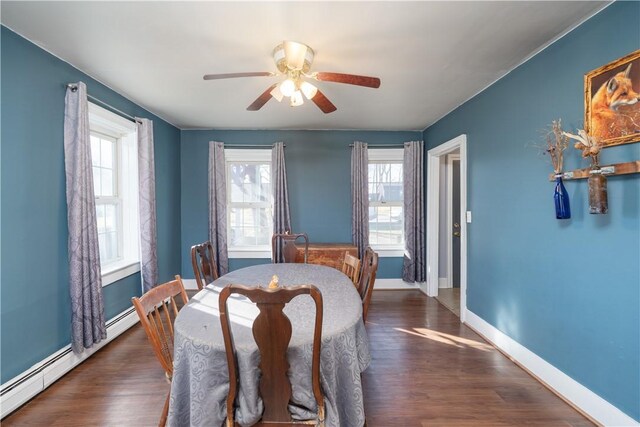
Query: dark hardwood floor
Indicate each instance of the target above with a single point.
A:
(427, 370)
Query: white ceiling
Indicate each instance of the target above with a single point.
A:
(430, 56)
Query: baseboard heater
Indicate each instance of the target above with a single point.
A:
(25, 386)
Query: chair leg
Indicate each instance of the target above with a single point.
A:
(165, 411)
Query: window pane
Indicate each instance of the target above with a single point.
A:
(107, 182)
(235, 184)
(385, 182)
(395, 172)
(112, 246)
(386, 225)
(249, 182)
(97, 191)
(100, 218)
(95, 150)
(107, 232)
(110, 218)
(106, 153)
(101, 245)
(250, 226)
(264, 236)
(265, 174)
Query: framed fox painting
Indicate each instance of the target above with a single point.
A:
(612, 101)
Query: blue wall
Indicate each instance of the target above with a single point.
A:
(318, 176)
(35, 304)
(567, 290)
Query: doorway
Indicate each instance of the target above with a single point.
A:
(447, 224)
(449, 230)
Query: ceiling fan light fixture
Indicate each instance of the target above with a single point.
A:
(287, 87)
(295, 54)
(293, 61)
(308, 89)
(277, 94)
(296, 99)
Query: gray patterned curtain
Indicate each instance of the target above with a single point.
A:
(360, 197)
(85, 281)
(218, 206)
(414, 263)
(147, 205)
(281, 215)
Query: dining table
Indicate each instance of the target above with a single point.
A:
(200, 382)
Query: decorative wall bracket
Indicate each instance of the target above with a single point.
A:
(608, 170)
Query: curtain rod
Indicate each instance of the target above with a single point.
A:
(74, 87)
(383, 145)
(250, 146)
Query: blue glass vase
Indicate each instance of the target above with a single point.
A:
(561, 198)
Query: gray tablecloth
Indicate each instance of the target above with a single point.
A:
(200, 381)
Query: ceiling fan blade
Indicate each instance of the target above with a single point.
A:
(323, 103)
(350, 79)
(262, 99)
(234, 75)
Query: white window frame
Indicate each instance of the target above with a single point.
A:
(387, 155)
(124, 132)
(249, 156)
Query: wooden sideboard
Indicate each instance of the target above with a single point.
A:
(329, 254)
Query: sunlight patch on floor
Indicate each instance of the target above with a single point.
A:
(449, 339)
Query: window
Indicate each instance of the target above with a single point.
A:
(386, 216)
(105, 183)
(249, 203)
(114, 161)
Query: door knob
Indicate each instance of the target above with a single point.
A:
(456, 233)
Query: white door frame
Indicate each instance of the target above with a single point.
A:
(450, 159)
(433, 217)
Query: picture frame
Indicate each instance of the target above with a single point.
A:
(612, 101)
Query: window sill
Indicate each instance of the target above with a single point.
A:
(386, 252)
(119, 270)
(249, 253)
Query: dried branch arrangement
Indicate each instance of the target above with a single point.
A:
(589, 145)
(557, 141)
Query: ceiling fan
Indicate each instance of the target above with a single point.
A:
(294, 60)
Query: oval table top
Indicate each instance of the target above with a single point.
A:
(199, 357)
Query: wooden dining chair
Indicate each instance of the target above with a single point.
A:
(351, 267)
(204, 264)
(367, 279)
(157, 310)
(289, 251)
(272, 333)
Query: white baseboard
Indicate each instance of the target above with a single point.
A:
(569, 389)
(395, 284)
(444, 283)
(17, 391)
